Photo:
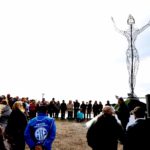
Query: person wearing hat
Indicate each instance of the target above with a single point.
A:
(40, 131)
(105, 132)
(138, 133)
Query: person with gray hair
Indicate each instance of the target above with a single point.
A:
(105, 132)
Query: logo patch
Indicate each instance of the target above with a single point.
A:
(40, 134)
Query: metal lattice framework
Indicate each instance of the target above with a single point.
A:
(132, 56)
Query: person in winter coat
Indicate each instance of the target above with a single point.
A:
(138, 133)
(5, 112)
(105, 132)
(40, 131)
(14, 130)
(123, 113)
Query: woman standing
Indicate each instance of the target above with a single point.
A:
(16, 126)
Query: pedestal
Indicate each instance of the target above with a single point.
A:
(133, 101)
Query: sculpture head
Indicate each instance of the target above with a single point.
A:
(130, 20)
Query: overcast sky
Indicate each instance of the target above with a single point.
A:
(69, 49)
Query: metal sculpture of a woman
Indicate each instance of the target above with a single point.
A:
(132, 56)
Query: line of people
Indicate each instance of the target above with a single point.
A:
(56, 109)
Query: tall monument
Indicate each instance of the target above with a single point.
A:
(132, 56)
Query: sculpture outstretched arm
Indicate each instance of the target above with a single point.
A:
(116, 28)
(144, 27)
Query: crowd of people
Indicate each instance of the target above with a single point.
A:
(58, 109)
(19, 127)
(24, 121)
(106, 131)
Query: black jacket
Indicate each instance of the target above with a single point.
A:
(138, 136)
(15, 130)
(105, 133)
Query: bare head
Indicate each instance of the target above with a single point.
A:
(130, 20)
(108, 110)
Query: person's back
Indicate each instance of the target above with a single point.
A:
(105, 132)
(14, 131)
(5, 112)
(137, 134)
(40, 131)
(80, 116)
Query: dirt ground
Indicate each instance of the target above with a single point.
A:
(71, 136)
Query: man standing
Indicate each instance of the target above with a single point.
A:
(123, 113)
(137, 134)
(40, 131)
